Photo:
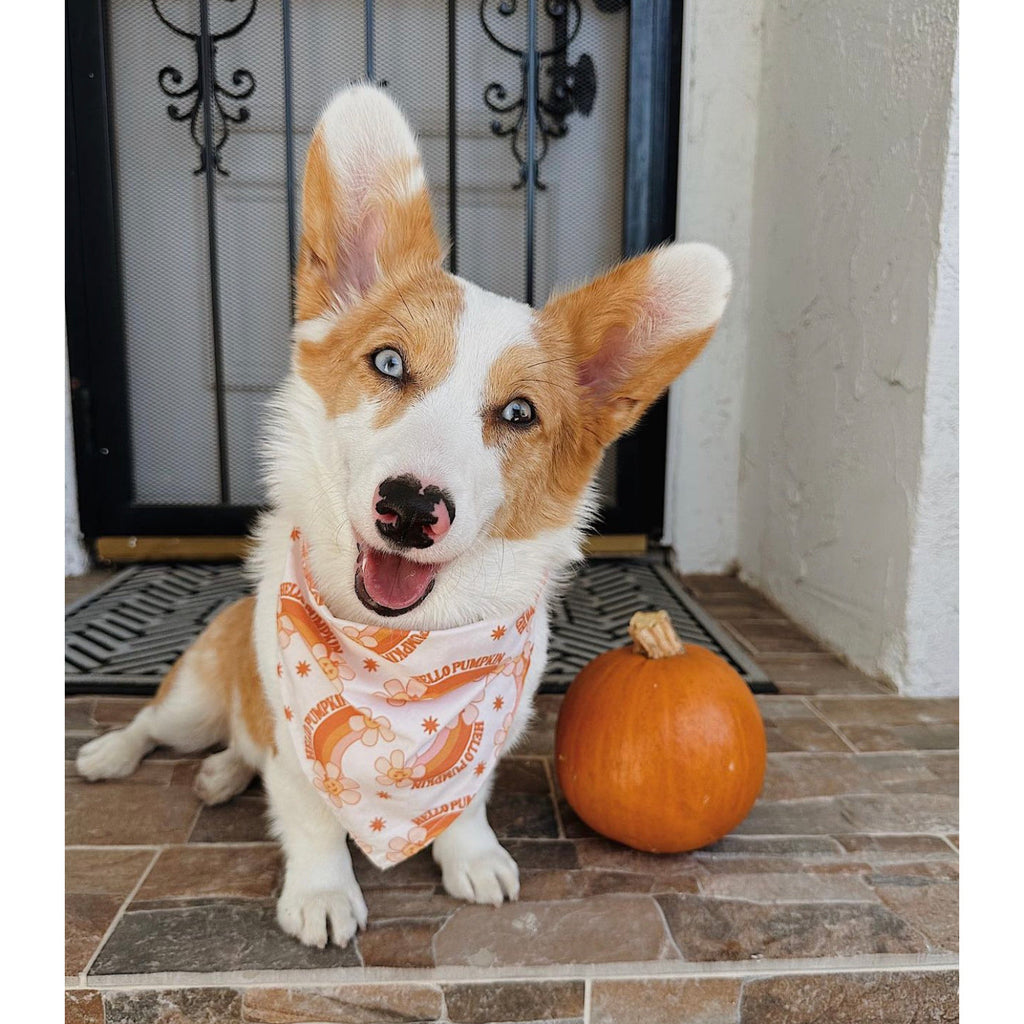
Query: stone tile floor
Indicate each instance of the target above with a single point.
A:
(835, 901)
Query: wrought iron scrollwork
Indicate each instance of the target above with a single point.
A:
(572, 87)
(171, 84)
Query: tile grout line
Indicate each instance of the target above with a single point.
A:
(118, 917)
(355, 935)
(450, 974)
(900, 752)
(549, 771)
(664, 921)
(738, 637)
(124, 847)
(258, 843)
(875, 833)
(195, 821)
(889, 695)
(437, 931)
(834, 728)
(120, 847)
(757, 653)
(790, 658)
(739, 1000)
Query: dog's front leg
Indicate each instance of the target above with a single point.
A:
(474, 866)
(320, 890)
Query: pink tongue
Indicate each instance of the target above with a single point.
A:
(393, 581)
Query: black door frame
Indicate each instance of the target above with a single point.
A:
(94, 299)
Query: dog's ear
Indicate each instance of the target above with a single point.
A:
(365, 209)
(633, 330)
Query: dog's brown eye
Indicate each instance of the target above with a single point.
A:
(518, 412)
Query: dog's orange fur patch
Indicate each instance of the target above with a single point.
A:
(616, 307)
(313, 292)
(239, 653)
(395, 224)
(167, 683)
(411, 305)
(547, 468)
(415, 314)
(226, 651)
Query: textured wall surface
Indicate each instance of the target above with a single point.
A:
(852, 142)
(928, 663)
(721, 80)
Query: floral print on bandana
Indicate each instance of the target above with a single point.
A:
(400, 691)
(329, 780)
(393, 771)
(371, 729)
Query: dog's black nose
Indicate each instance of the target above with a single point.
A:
(412, 514)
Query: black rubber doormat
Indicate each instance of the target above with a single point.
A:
(123, 637)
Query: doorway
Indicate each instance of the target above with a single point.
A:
(549, 133)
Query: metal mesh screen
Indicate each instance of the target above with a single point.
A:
(164, 265)
(207, 208)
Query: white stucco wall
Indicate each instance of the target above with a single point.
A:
(721, 80)
(815, 440)
(852, 144)
(927, 663)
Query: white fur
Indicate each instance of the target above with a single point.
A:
(365, 133)
(320, 891)
(322, 474)
(474, 865)
(691, 281)
(222, 776)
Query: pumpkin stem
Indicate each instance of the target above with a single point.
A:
(653, 635)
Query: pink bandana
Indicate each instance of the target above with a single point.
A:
(397, 729)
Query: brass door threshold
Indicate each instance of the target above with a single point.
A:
(171, 549)
(615, 545)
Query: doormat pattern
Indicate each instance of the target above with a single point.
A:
(124, 637)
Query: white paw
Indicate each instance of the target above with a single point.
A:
(487, 875)
(307, 915)
(221, 777)
(114, 755)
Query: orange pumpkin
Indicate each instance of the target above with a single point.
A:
(660, 747)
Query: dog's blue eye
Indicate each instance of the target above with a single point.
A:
(518, 411)
(389, 362)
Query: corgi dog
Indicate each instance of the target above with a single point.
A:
(434, 446)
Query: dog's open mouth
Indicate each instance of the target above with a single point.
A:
(390, 584)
